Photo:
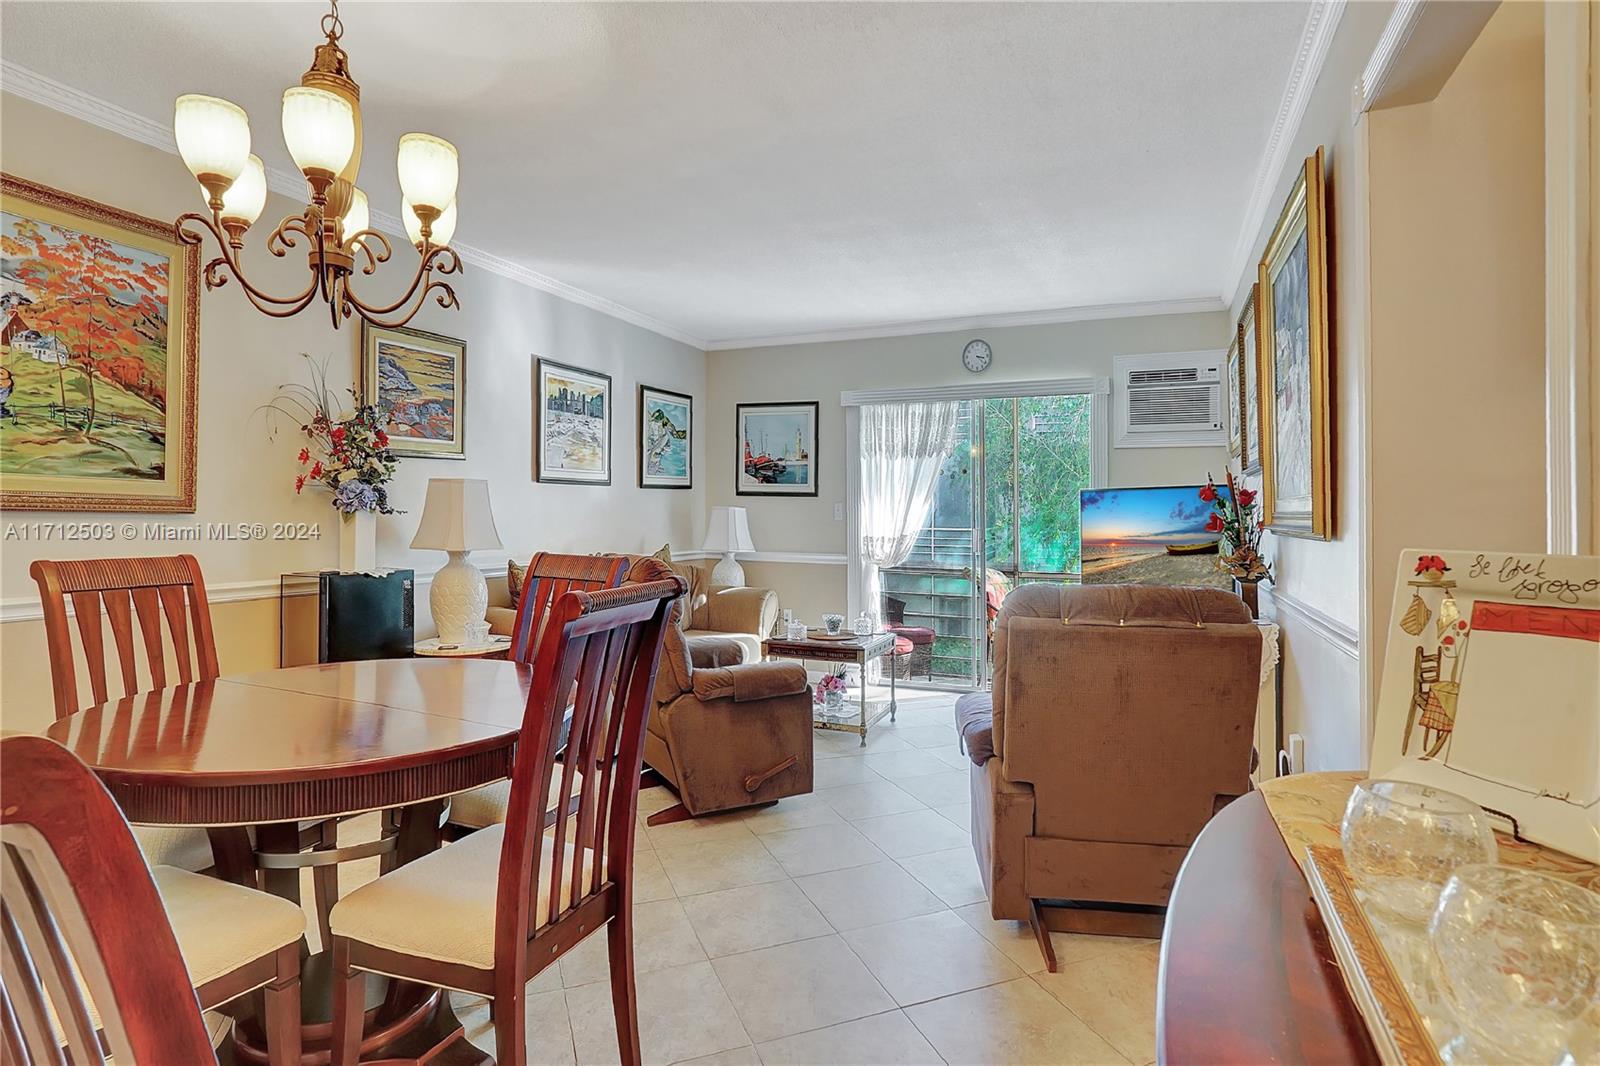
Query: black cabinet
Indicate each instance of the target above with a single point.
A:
(333, 617)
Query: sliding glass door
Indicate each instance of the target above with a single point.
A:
(1005, 512)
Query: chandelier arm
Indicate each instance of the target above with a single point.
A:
(441, 258)
(446, 298)
(364, 240)
(216, 279)
(281, 239)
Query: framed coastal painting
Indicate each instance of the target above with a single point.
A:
(99, 338)
(572, 440)
(666, 439)
(1250, 368)
(1491, 677)
(418, 383)
(1293, 320)
(777, 449)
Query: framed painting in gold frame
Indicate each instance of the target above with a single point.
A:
(418, 383)
(1292, 317)
(99, 341)
(1250, 369)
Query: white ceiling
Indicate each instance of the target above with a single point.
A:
(748, 170)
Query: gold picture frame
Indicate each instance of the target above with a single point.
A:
(1250, 368)
(421, 392)
(1292, 318)
(97, 407)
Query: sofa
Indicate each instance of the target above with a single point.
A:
(1120, 721)
(727, 731)
(744, 615)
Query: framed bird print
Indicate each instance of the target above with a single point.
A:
(1293, 317)
(99, 336)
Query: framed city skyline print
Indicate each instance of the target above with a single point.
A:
(1250, 367)
(1293, 317)
(666, 439)
(777, 449)
(572, 439)
(418, 383)
(99, 340)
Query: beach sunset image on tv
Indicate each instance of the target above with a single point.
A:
(1149, 536)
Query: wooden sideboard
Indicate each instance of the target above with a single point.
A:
(1247, 972)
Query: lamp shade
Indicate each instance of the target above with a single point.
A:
(444, 227)
(213, 135)
(319, 128)
(728, 531)
(429, 169)
(456, 516)
(356, 217)
(248, 194)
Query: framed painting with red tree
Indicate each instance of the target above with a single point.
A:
(99, 327)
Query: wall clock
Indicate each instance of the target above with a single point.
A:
(976, 356)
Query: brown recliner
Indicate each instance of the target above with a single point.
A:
(725, 733)
(1121, 721)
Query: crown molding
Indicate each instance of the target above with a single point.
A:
(58, 96)
(1321, 24)
(1053, 316)
(1396, 32)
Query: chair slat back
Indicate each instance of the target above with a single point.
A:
(83, 934)
(153, 590)
(603, 648)
(551, 576)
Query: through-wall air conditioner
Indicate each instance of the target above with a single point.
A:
(1173, 400)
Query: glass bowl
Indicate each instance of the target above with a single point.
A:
(1517, 955)
(1402, 841)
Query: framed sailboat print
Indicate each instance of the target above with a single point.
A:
(777, 449)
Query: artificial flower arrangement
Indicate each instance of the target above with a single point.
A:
(829, 683)
(348, 454)
(1234, 516)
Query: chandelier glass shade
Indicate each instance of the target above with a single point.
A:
(322, 130)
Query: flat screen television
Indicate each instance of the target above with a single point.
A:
(1149, 536)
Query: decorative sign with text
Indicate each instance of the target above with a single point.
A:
(1491, 689)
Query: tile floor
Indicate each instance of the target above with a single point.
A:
(848, 926)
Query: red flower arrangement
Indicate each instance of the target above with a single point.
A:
(1234, 516)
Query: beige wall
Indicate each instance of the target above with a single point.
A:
(821, 371)
(243, 476)
(1458, 305)
(1316, 596)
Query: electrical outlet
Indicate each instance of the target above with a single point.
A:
(838, 512)
(1297, 753)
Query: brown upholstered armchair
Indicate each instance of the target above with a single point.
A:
(725, 733)
(1121, 721)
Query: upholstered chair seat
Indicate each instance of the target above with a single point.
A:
(441, 906)
(486, 806)
(221, 926)
(169, 845)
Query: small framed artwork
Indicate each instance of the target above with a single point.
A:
(572, 440)
(99, 339)
(1250, 367)
(666, 439)
(1293, 317)
(1490, 682)
(418, 383)
(1235, 401)
(777, 449)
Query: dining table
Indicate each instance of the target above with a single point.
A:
(255, 758)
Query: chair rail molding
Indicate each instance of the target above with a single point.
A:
(1342, 636)
(1569, 253)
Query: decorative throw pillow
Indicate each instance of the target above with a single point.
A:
(664, 553)
(515, 573)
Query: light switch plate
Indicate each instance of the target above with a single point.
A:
(838, 512)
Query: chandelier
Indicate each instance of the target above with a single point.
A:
(322, 128)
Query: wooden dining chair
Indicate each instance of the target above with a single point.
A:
(488, 913)
(105, 957)
(144, 593)
(549, 577)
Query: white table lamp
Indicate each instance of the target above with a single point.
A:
(457, 519)
(728, 532)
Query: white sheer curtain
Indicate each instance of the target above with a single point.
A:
(903, 445)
